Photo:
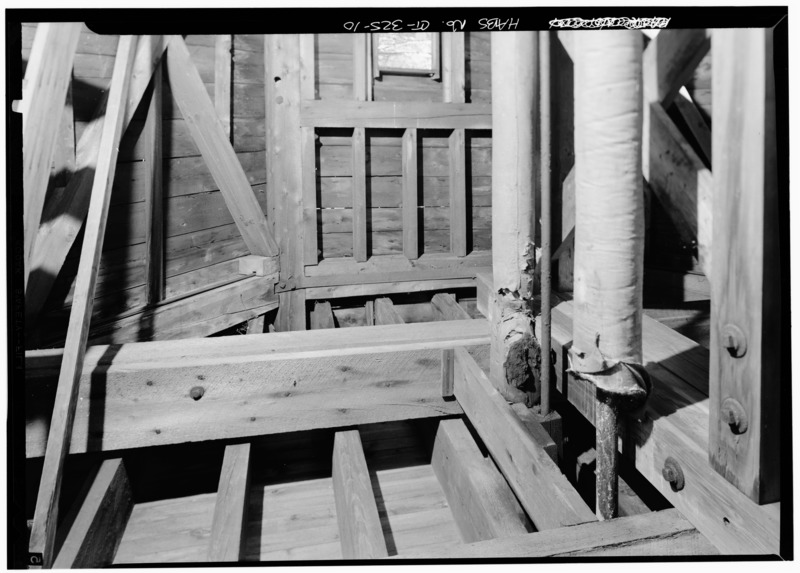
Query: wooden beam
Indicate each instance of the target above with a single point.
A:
(223, 44)
(322, 316)
(696, 124)
(373, 289)
(45, 518)
(63, 216)
(453, 67)
(154, 194)
(675, 424)
(444, 263)
(198, 313)
(369, 308)
(209, 135)
(362, 75)
(447, 307)
(747, 314)
(448, 374)
(385, 312)
(47, 79)
(360, 528)
(681, 181)
(459, 223)
(545, 493)
(102, 515)
(660, 534)
(670, 59)
(410, 195)
(308, 143)
(335, 387)
(259, 266)
(230, 509)
(402, 115)
(483, 505)
(536, 430)
(360, 230)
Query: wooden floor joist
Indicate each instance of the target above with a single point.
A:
(547, 496)
(360, 528)
(322, 316)
(447, 307)
(230, 509)
(666, 533)
(43, 531)
(483, 505)
(96, 532)
(385, 312)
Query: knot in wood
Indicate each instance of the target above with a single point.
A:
(197, 392)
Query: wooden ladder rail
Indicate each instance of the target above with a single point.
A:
(43, 531)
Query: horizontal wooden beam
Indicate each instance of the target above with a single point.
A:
(447, 308)
(193, 315)
(102, 515)
(381, 288)
(676, 425)
(661, 534)
(147, 400)
(536, 430)
(445, 264)
(483, 505)
(230, 508)
(360, 530)
(544, 492)
(375, 114)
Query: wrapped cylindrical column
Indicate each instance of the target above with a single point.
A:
(514, 176)
(609, 236)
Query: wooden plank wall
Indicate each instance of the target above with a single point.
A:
(201, 242)
(384, 159)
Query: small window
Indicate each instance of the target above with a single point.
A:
(406, 53)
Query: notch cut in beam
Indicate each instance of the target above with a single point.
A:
(45, 518)
(230, 510)
(100, 521)
(360, 528)
(209, 135)
(447, 308)
(360, 250)
(547, 496)
(322, 316)
(483, 505)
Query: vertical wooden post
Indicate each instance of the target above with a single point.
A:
(453, 84)
(362, 68)
(360, 195)
(746, 316)
(309, 151)
(514, 144)
(222, 80)
(45, 518)
(285, 169)
(154, 198)
(47, 79)
(230, 510)
(410, 196)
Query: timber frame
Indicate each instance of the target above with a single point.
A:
(490, 476)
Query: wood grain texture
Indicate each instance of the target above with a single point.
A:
(447, 265)
(63, 216)
(536, 430)
(154, 194)
(670, 59)
(362, 78)
(208, 133)
(47, 80)
(308, 145)
(222, 80)
(410, 195)
(97, 531)
(448, 373)
(63, 414)
(269, 393)
(322, 316)
(447, 307)
(676, 424)
(380, 288)
(483, 505)
(360, 528)
(658, 534)
(747, 275)
(423, 115)
(385, 312)
(230, 509)
(547, 496)
(458, 193)
(360, 247)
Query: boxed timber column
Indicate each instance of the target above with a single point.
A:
(746, 315)
(609, 237)
(514, 152)
(284, 169)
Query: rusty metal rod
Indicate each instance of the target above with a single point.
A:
(545, 172)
